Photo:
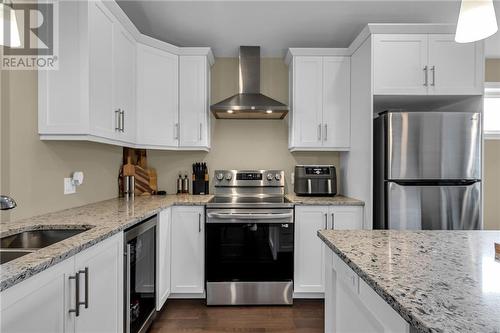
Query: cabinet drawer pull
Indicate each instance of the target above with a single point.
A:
(326, 133)
(326, 221)
(117, 120)
(426, 76)
(199, 222)
(201, 126)
(433, 70)
(76, 310)
(86, 274)
(333, 221)
(319, 132)
(122, 125)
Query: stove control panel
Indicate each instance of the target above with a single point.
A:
(249, 178)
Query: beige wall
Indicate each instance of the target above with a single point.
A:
(242, 143)
(491, 179)
(32, 171)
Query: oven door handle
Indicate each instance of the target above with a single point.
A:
(250, 216)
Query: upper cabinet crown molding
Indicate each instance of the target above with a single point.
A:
(321, 52)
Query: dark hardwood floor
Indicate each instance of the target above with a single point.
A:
(187, 316)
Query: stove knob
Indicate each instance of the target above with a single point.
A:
(228, 176)
(269, 177)
(277, 176)
(220, 176)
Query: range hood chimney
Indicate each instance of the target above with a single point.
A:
(249, 103)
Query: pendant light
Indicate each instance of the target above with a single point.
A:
(476, 21)
(8, 19)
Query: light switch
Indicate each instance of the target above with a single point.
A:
(69, 187)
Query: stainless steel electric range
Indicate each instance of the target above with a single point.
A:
(249, 239)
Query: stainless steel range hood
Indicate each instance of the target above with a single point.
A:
(249, 103)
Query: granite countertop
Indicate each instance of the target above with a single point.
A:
(104, 219)
(338, 200)
(438, 281)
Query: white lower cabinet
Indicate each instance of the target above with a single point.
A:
(352, 306)
(46, 302)
(163, 256)
(188, 253)
(101, 270)
(309, 267)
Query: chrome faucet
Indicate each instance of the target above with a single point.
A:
(7, 202)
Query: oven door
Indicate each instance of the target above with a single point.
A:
(249, 256)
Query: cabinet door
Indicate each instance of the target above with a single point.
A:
(188, 258)
(62, 94)
(102, 116)
(124, 51)
(163, 257)
(309, 249)
(104, 309)
(307, 101)
(157, 95)
(40, 304)
(193, 101)
(454, 68)
(346, 218)
(399, 64)
(336, 102)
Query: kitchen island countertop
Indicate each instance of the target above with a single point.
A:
(438, 281)
(104, 218)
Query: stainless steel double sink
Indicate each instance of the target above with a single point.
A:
(20, 244)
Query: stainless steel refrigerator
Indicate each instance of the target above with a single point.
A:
(427, 171)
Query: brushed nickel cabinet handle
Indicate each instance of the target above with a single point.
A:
(201, 126)
(333, 221)
(426, 74)
(433, 70)
(76, 310)
(326, 133)
(326, 221)
(319, 132)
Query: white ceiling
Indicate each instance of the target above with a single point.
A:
(278, 25)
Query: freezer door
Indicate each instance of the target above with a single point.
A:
(433, 207)
(432, 145)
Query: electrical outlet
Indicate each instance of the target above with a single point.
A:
(69, 187)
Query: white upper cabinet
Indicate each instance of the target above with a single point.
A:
(426, 64)
(400, 64)
(320, 103)
(157, 97)
(124, 78)
(117, 86)
(307, 101)
(193, 101)
(103, 122)
(336, 102)
(455, 68)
